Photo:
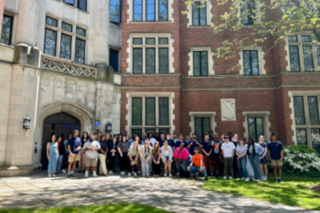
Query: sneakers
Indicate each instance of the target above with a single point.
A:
(94, 174)
(165, 174)
(196, 176)
(86, 174)
(53, 175)
(110, 173)
(230, 177)
(212, 176)
(139, 173)
(279, 180)
(129, 174)
(224, 178)
(135, 174)
(247, 179)
(123, 173)
(178, 174)
(49, 175)
(206, 178)
(276, 180)
(258, 181)
(242, 178)
(170, 175)
(64, 171)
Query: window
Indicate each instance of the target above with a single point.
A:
(65, 48)
(199, 14)
(248, 12)
(163, 10)
(146, 10)
(71, 2)
(200, 63)
(137, 10)
(50, 42)
(298, 9)
(306, 120)
(114, 59)
(80, 51)
(163, 111)
(255, 127)
(150, 10)
(250, 62)
(310, 60)
(150, 55)
(6, 34)
(82, 4)
(136, 111)
(115, 11)
(150, 111)
(202, 127)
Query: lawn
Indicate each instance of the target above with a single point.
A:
(114, 208)
(291, 191)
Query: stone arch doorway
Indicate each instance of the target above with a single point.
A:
(59, 124)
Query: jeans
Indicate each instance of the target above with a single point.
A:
(184, 169)
(145, 168)
(195, 169)
(134, 167)
(59, 164)
(242, 166)
(255, 163)
(227, 162)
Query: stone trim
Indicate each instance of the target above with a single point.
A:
(266, 122)
(210, 61)
(209, 17)
(212, 115)
(262, 62)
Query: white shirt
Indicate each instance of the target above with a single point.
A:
(227, 149)
(152, 141)
(91, 154)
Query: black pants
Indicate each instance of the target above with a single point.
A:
(156, 168)
(132, 167)
(112, 160)
(124, 161)
(235, 167)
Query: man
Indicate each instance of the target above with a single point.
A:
(211, 136)
(162, 139)
(95, 136)
(230, 135)
(197, 164)
(194, 143)
(66, 155)
(275, 153)
(216, 156)
(74, 146)
(91, 149)
(227, 149)
(102, 155)
(177, 145)
(157, 136)
(207, 149)
(171, 143)
(143, 138)
(175, 139)
(187, 140)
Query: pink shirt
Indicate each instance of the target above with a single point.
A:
(184, 154)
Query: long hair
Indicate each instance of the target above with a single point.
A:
(52, 137)
(82, 138)
(156, 150)
(139, 141)
(253, 148)
(136, 149)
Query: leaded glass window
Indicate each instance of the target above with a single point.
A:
(293, 39)
(313, 110)
(301, 136)
(137, 41)
(199, 13)
(318, 56)
(6, 33)
(202, 127)
(308, 58)
(50, 42)
(137, 10)
(248, 12)
(71, 2)
(136, 111)
(163, 111)
(66, 26)
(163, 61)
(137, 60)
(163, 40)
(150, 10)
(306, 38)
(150, 41)
(115, 11)
(153, 131)
(315, 138)
(150, 111)
(114, 59)
(163, 10)
(250, 62)
(80, 53)
(137, 132)
(81, 32)
(298, 104)
(294, 58)
(200, 63)
(150, 60)
(255, 127)
(65, 49)
(51, 21)
(82, 4)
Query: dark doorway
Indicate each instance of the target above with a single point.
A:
(60, 124)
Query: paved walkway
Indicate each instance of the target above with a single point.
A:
(173, 195)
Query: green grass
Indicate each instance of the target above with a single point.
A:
(291, 191)
(114, 208)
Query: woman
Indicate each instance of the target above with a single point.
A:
(123, 148)
(241, 156)
(52, 155)
(145, 156)
(112, 153)
(140, 145)
(255, 151)
(264, 159)
(84, 139)
(61, 154)
(166, 155)
(184, 159)
(221, 137)
(133, 158)
(235, 141)
(156, 159)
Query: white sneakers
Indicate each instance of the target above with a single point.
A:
(230, 177)
(129, 174)
(94, 174)
(178, 174)
(64, 171)
(224, 178)
(170, 175)
(123, 173)
(135, 174)
(110, 173)
(243, 178)
(165, 174)
(247, 179)
(86, 174)
(264, 178)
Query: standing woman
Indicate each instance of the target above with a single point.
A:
(123, 148)
(140, 145)
(264, 159)
(112, 153)
(156, 159)
(145, 156)
(133, 158)
(52, 155)
(255, 151)
(241, 154)
(61, 154)
(166, 155)
(84, 139)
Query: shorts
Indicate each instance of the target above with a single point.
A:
(264, 160)
(74, 158)
(276, 163)
(90, 162)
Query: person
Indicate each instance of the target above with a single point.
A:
(178, 146)
(255, 151)
(151, 138)
(95, 136)
(162, 139)
(175, 140)
(194, 143)
(227, 149)
(91, 149)
(61, 154)
(183, 158)
(166, 155)
(99, 136)
(157, 136)
(230, 135)
(112, 153)
(207, 150)
(264, 159)
(84, 139)
(66, 154)
(74, 147)
(156, 159)
(235, 141)
(123, 148)
(169, 140)
(187, 139)
(216, 157)
(143, 138)
(275, 153)
(52, 155)
(197, 164)
(133, 157)
(145, 156)
(211, 136)
(221, 137)
(130, 140)
(102, 154)
(140, 145)
(241, 153)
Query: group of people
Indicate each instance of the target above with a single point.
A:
(226, 156)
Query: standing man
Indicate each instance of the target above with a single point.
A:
(74, 146)
(207, 149)
(194, 143)
(162, 139)
(172, 145)
(275, 153)
(211, 136)
(102, 155)
(91, 149)
(187, 140)
(143, 138)
(227, 149)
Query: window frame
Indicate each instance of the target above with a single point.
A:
(154, 111)
(154, 12)
(200, 59)
(64, 34)
(257, 114)
(255, 124)
(144, 7)
(75, 50)
(202, 129)
(45, 39)
(11, 28)
(199, 13)
(132, 124)
(251, 67)
(118, 57)
(78, 5)
(120, 13)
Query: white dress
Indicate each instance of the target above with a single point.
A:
(249, 168)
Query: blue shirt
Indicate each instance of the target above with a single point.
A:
(258, 149)
(170, 143)
(275, 150)
(112, 146)
(178, 144)
(74, 143)
(161, 142)
(207, 146)
(194, 144)
(186, 142)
